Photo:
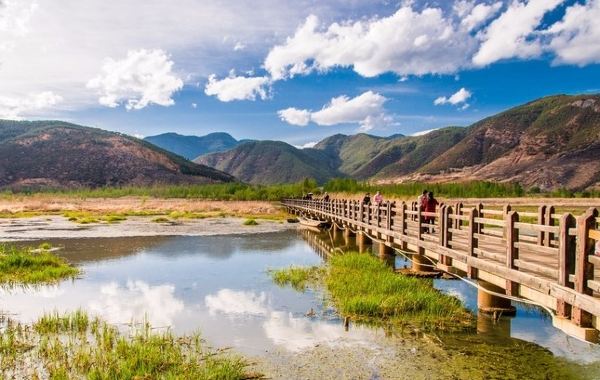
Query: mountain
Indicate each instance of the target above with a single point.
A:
(548, 143)
(191, 147)
(269, 162)
(61, 155)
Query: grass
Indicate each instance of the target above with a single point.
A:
(250, 222)
(84, 217)
(24, 266)
(298, 277)
(77, 346)
(161, 219)
(364, 288)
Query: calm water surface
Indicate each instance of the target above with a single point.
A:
(219, 285)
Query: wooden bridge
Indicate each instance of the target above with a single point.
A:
(544, 257)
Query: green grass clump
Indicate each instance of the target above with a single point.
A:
(85, 217)
(364, 288)
(74, 346)
(45, 246)
(298, 277)
(250, 222)
(24, 266)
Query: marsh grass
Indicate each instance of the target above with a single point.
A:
(26, 266)
(250, 222)
(298, 278)
(75, 346)
(364, 288)
(84, 217)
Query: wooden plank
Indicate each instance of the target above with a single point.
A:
(594, 285)
(584, 271)
(464, 218)
(493, 222)
(536, 248)
(594, 234)
(536, 227)
(521, 264)
(492, 212)
(512, 251)
(491, 255)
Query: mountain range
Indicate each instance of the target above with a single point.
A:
(55, 154)
(548, 143)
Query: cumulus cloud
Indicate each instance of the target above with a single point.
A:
(237, 88)
(479, 14)
(510, 35)
(16, 107)
(239, 46)
(423, 133)
(366, 110)
(141, 78)
(460, 96)
(408, 42)
(295, 116)
(309, 144)
(576, 38)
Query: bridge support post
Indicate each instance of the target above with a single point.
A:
(386, 254)
(497, 328)
(361, 241)
(492, 304)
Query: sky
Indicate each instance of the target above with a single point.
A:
(296, 71)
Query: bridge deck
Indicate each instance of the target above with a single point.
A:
(541, 256)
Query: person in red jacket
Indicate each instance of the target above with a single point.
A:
(430, 206)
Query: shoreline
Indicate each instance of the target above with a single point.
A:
(59, 227)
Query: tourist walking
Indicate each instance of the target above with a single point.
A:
(378, 198)
(326, 197)
(366, 199)
(430, 207)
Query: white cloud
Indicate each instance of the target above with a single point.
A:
(479, 14)
(460, 96)
(15, 17)
(141, 78)
(239, 46)
(17, 107)
(423, 133)
(236, 302)
(309, 144)
(406, 43)
(366, 109)
(576, 38)
(295, 116)
(194, 105)
(237, 88)
(510, 34)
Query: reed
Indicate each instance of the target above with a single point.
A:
(28, 266)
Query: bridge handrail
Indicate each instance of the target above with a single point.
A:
(496, 235)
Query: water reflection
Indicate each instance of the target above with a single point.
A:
(217, 285)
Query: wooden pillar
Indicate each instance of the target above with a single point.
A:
(584, 270)
(386, 254)
(420, 250)
(403, 224)
(512, 252)
(362, 240)
(490, 303)
(493, 328)
(472, 241)
(566, 261)
(444, 225)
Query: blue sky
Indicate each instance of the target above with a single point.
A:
(293, 71)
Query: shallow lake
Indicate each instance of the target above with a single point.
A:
(219, 285)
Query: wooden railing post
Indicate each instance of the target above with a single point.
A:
(584, 270)
(512, 252)
(550, 222)
(472, 241)
(541, 221)
(566, 260)
(403, 224)
(388, 216)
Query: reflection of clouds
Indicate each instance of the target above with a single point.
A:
(282, 328)
(44, 291)
(297, 334)
(234, 302)
(137, 300)
(456, 294)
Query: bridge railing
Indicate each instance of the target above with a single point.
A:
(545, 248)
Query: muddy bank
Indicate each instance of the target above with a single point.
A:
(59, 227)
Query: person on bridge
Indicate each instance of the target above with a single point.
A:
(430, 206)
(366, 199)
(422, 200)
(378, 198)
(326, 197)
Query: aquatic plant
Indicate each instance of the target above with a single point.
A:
(298, 278)
(26, 266)
(366, 289)
(250, 222)
(76, 346)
